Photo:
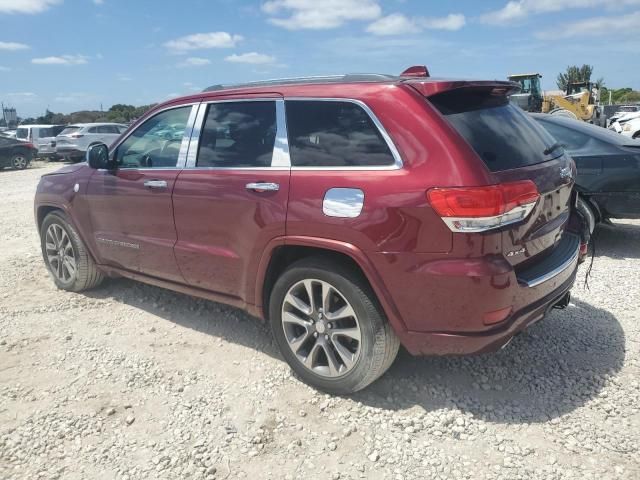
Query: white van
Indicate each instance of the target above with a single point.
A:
(41, 136)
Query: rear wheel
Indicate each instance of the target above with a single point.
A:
(587, 213)
(19, 161)
(330, 328)
(65, 256)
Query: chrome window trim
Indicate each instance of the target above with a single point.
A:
(398, 163)
(280, 159)
(182, 155)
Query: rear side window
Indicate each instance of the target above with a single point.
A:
(238, 134)
(500, 133)
(334, 134)
(22, 133)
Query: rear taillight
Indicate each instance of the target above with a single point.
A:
(76, 135)
(477, 209)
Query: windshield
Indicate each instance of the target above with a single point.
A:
(500, 133)
(69, 130)
(22, 133)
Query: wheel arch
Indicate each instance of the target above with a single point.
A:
(591, 203)
(287, 251)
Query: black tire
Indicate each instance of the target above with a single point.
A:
(86, 275)
(378, 343)
(19, 161)
(588, 213)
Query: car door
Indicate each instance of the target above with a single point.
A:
(130, 207)
(231, 199)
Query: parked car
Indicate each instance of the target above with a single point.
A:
(44, 142)
(8, 134)
(73, 141)
(15, 153)
(608, 166)
(624, 112)
(40, 136)
(354, 213)
(629, 127)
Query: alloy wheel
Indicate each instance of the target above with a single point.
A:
(321, 328)
(19, 162)
(60, 254)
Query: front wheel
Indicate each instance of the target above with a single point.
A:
(329, 326)
(65, 256)
(19, 161)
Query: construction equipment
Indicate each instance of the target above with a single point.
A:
(580, 101)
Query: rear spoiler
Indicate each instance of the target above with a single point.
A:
(430, 88)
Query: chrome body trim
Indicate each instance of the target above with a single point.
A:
(525, 210)
(343, 202)
(556, 271)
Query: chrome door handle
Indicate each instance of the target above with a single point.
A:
(263, 187)
(155, 184)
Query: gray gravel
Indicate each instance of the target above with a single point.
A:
(135, 382)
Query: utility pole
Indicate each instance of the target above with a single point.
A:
(4, 115)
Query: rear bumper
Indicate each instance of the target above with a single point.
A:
(445, 304)
(425, 343)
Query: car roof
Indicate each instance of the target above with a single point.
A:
(38, 125)
(94, 124)
(602, 134)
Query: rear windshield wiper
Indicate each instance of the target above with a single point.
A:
(553, 147)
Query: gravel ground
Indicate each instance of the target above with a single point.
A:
(135, 382)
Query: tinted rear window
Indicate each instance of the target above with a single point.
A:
(22, 133)
(500, 133)
(334, 134)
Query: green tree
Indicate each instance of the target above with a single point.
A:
(574, 74)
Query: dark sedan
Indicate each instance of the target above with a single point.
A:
(608, 167)
(16, 154)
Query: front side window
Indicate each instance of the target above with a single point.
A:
(22, 133)
(334, 134)
(238, 134)
(156, 142)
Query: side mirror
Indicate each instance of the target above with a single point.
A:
(98, 156)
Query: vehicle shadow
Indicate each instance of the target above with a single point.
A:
(215, 319)
(550, 369)
(619, 240)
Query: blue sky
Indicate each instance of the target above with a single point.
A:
(77, 54)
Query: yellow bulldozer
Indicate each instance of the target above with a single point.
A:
(580, 101)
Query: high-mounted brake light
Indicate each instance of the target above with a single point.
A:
(416, 71)
(478, 209)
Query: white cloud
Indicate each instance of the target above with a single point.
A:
(516, 10)
(454, 21)
(399, 24)
(26, 6)
(253, 58)
(98, 2)
(621, 25)
(13, 46)
(195, 62)
(123, 77)
(394, 24)
(318, 15)
(4, 69)
(199, 41)
(22, 95)
(75, 97)
(61, 60)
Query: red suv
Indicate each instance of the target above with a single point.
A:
(354, 213)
